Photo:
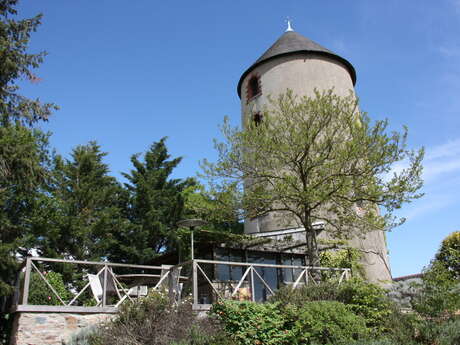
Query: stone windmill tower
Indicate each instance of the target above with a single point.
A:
(297, 63)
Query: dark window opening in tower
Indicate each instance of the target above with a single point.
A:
(254, 87)
(257, 118)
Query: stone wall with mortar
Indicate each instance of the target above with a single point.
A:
(51, 328)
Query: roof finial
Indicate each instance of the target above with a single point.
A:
(289, 27)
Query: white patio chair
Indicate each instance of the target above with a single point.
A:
(96, 282)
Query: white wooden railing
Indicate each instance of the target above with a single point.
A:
(197, 279)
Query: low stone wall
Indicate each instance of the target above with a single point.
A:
(51, 328)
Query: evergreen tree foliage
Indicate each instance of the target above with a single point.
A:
(220, 210)
(84, 207)
(22, 150)
(155, 204)
(25, 157)
(17, 63)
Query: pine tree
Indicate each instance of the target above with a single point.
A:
(15, 64)
(25, 156)
(85, 206)
(155, 205)
(22, 150)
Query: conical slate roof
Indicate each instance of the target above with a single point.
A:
(292, 42)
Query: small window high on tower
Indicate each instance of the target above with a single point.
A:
(253, 87)
(257, 118)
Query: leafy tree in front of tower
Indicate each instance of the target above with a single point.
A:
(318, 159)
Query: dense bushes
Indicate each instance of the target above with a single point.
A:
(439, 332)
(152, 321)
(354, 313)
(251, 323)
(439, 292)
(364, 299)
(326, 322)
(367, 300)
(323, 314)
(321, 322)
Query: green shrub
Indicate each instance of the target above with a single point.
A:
(152, 321)
(439, 293)
(326, 291)
(364, 299)
(401, 328)
(251, 323)
(449, 254)
(367, 300)
(320, 322)
(439, 332)
(6, 327)
(450, 333)
(41, 294)
(325, 322)
(382, 341)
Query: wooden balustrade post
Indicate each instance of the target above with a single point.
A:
(104, 287)
(25, 296)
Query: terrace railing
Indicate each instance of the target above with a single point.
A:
(107, 285)
(254, 281)
(103, 284)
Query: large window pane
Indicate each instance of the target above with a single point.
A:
(222, 271)
(236, 272)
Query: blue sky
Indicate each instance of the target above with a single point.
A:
(128, 73)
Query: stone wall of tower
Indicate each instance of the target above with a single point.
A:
(303, 73)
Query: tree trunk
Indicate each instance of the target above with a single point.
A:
(312, 247)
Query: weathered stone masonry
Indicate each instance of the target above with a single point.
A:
(51, 328)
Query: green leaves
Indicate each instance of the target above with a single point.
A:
(318, 322)
(449, 254)
(439, 292)
(251, 323)
(40, 292)
(317, 159)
